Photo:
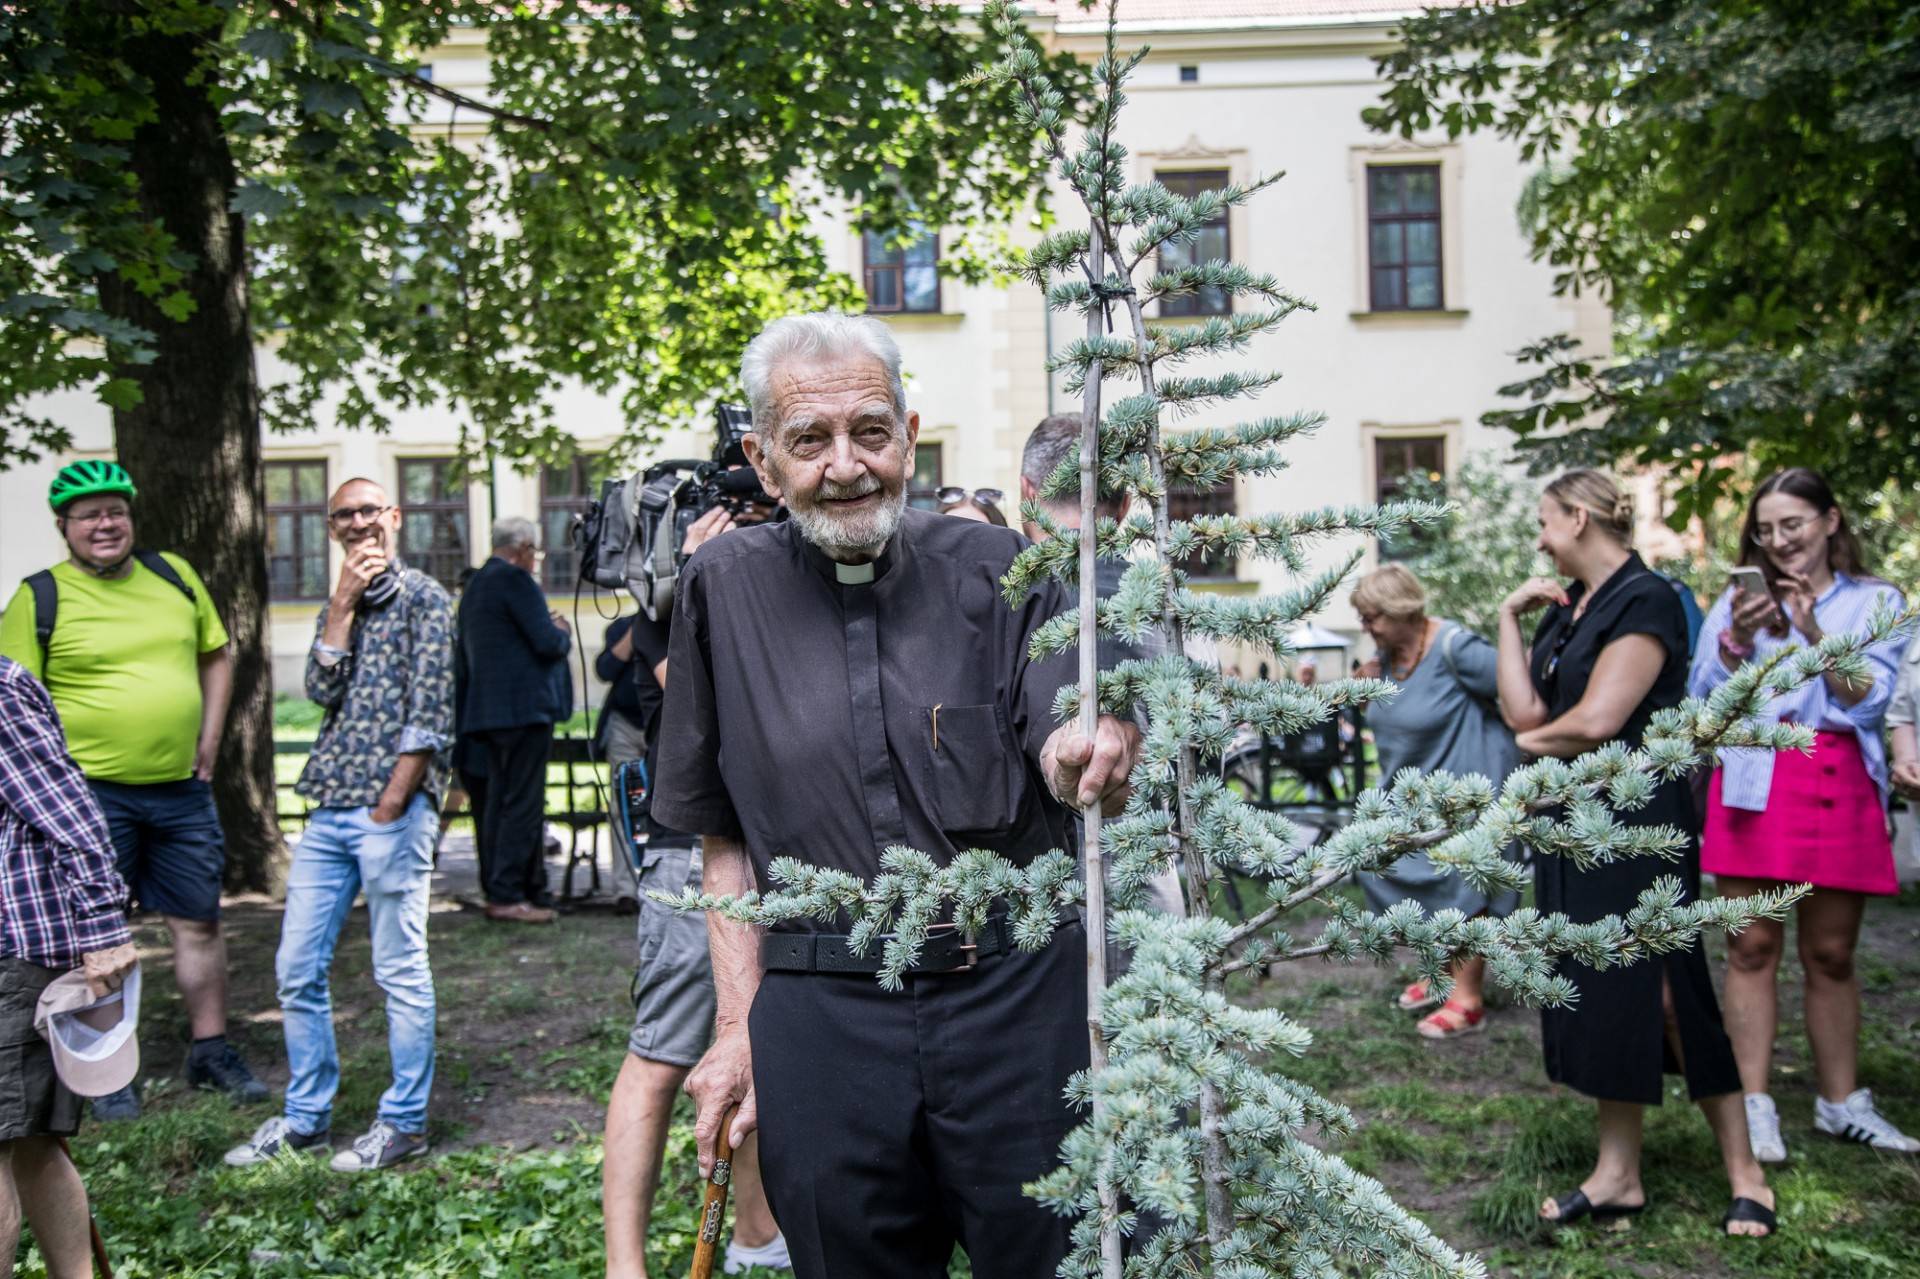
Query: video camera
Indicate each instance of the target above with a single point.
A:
(635, 534)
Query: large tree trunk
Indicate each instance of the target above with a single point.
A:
(193, 444)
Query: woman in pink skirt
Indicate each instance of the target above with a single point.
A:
(1792, 818)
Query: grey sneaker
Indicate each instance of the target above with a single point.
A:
(117, 1107)
(1763, 1129)
(274, 1138)
(223, 1069)
(382, 1146)
(1858, 1119)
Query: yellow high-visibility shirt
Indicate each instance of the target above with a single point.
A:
(123, 667)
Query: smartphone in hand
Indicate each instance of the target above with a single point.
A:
(1748, 580)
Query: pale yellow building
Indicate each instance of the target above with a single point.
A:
(1410, 250)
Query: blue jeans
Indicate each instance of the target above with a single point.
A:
(342, 852)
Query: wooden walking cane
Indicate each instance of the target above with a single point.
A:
(713, 1207)
(102, 1268)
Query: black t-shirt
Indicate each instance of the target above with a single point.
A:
(824, 717)
(1634, 601)
(634, 699)
(650, 640)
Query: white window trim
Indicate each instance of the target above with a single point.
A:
(1455, 285)
(1193, 156)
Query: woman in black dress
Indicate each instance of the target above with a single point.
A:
(1611, 651)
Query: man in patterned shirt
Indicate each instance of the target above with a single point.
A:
(62, 906)
(382, 666)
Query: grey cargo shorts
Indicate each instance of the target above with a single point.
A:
(673, 983)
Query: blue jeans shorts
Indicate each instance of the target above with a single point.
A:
(169, 844)
(673, 984)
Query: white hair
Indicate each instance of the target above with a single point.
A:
(818, 335)
(511, 532)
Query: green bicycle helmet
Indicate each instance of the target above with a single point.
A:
(90, 478)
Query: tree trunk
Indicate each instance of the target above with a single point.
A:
(193, 444)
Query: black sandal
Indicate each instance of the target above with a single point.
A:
(1576, 1205)
(1745, 1209)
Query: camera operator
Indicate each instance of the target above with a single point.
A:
(673, 988)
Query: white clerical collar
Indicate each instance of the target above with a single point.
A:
(853, 574)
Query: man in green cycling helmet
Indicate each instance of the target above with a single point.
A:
(130, 646)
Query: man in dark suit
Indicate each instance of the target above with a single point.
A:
(510, 669)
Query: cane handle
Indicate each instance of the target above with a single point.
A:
(713, 1205)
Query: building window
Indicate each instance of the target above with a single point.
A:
(923, 490)
(1396, 460)
(1212, 244)
(1403, 229)
(1184, 504)
(296, 531)
(565, 492)
(1189, 75)
(433, 518)
(903, 275)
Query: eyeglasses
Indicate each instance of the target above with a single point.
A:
(92, 518)
(1785, 530)
(345, 516)
(953, 494)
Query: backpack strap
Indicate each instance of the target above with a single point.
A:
(156, 563)
(46, 606)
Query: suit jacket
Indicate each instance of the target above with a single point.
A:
(510, 660)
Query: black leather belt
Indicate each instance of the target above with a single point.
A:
(947, 950)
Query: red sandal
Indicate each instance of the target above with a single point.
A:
(1417, 997)
(1452, 1020)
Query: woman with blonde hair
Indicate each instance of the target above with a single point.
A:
(1794, 818)
(1611, 651)
(1445, 718)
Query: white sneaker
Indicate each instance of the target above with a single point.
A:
(1855, 1119)
(771, 1255)
(381, 1146)
(1763, 1129)
(272, 1139)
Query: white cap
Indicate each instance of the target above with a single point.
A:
(95, 1042)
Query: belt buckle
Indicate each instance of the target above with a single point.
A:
(967, 948)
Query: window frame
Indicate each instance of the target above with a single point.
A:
(868, 270)
(452, 503)
(1385, 490)
(1192, 306)
(560, 570)
(927, 499)
(1402, 219)
(1185, 503)
(296, 508)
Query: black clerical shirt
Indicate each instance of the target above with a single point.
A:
(827, 719)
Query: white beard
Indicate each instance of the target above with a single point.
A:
(852, 536)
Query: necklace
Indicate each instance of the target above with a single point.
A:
(1401, 674)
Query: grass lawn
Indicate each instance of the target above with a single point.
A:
(533, 1025)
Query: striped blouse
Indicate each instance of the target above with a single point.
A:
(1847, 605)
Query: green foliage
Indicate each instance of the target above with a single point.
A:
(479, 1212)
(1734, 179)
(1472, 557)
(621, 208)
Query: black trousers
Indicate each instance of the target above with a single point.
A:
(893, 1126)
(512, 810)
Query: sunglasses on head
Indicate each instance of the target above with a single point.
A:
(953, 493)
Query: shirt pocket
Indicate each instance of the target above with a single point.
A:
(969, 760)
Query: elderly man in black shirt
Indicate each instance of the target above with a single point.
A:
(843, 682)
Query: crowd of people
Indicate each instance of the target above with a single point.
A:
(1612, 647)
(870, 1125)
